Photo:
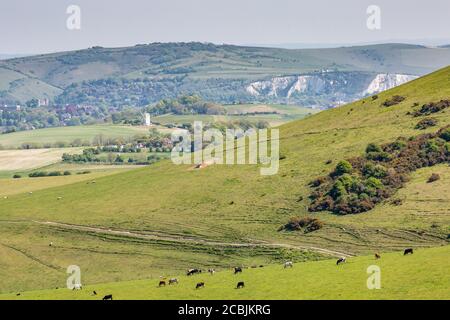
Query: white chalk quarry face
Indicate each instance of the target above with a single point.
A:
(321, 83)
(385, 81)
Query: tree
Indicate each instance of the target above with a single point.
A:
(33, 103)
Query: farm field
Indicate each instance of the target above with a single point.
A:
(281, 114)
(68, 134)
(23, 160)
(422, 275)
(167, 218)
(10, 186)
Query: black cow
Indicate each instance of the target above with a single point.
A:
(240, 285)
(193, 271)
(200, 285)
(107, 297)
(340, 260)
(408, 251)
(237, 270)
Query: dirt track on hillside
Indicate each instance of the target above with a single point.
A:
(185, 239)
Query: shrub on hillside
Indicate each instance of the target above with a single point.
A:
(434, 177)
(426, 123)
(307, 224)
(393, 101)
(445, 134)
(373, 147)
(343, 167)
(17, 176)
(432, 107)
(377, 175)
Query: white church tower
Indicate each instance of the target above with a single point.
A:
(148, 123)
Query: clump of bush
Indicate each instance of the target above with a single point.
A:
(432, 107)
(434, 177)
(342, 167)
(358, 184)
(397, 202)
(17, 176)
(445, 134)
(426, 123)
(305, 224)
(38, 174)
(393, 101)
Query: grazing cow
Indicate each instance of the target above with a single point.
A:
(18, 294)
(240, 285)
(162, 283)
(200, 285)
(408, 251)
(193, 271)
(107, 297)
(288, 264)
(173, 281)
(50, 244)
(237, 270)
(94, 293)
(211, 271)
(377, 256)
(340, 260)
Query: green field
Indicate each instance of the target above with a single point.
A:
(423, 275)
(281, 114)
(69, 134)
(166, 218)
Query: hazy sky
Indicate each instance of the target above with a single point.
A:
(37, 26)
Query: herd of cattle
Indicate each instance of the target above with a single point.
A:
(236, 270)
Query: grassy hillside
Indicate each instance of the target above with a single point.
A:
(420, 276)
(68, 134)
(167, 208)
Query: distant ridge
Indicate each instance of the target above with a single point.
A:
(145, 73)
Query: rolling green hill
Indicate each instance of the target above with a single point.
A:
(147, 73)
(166, 218)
